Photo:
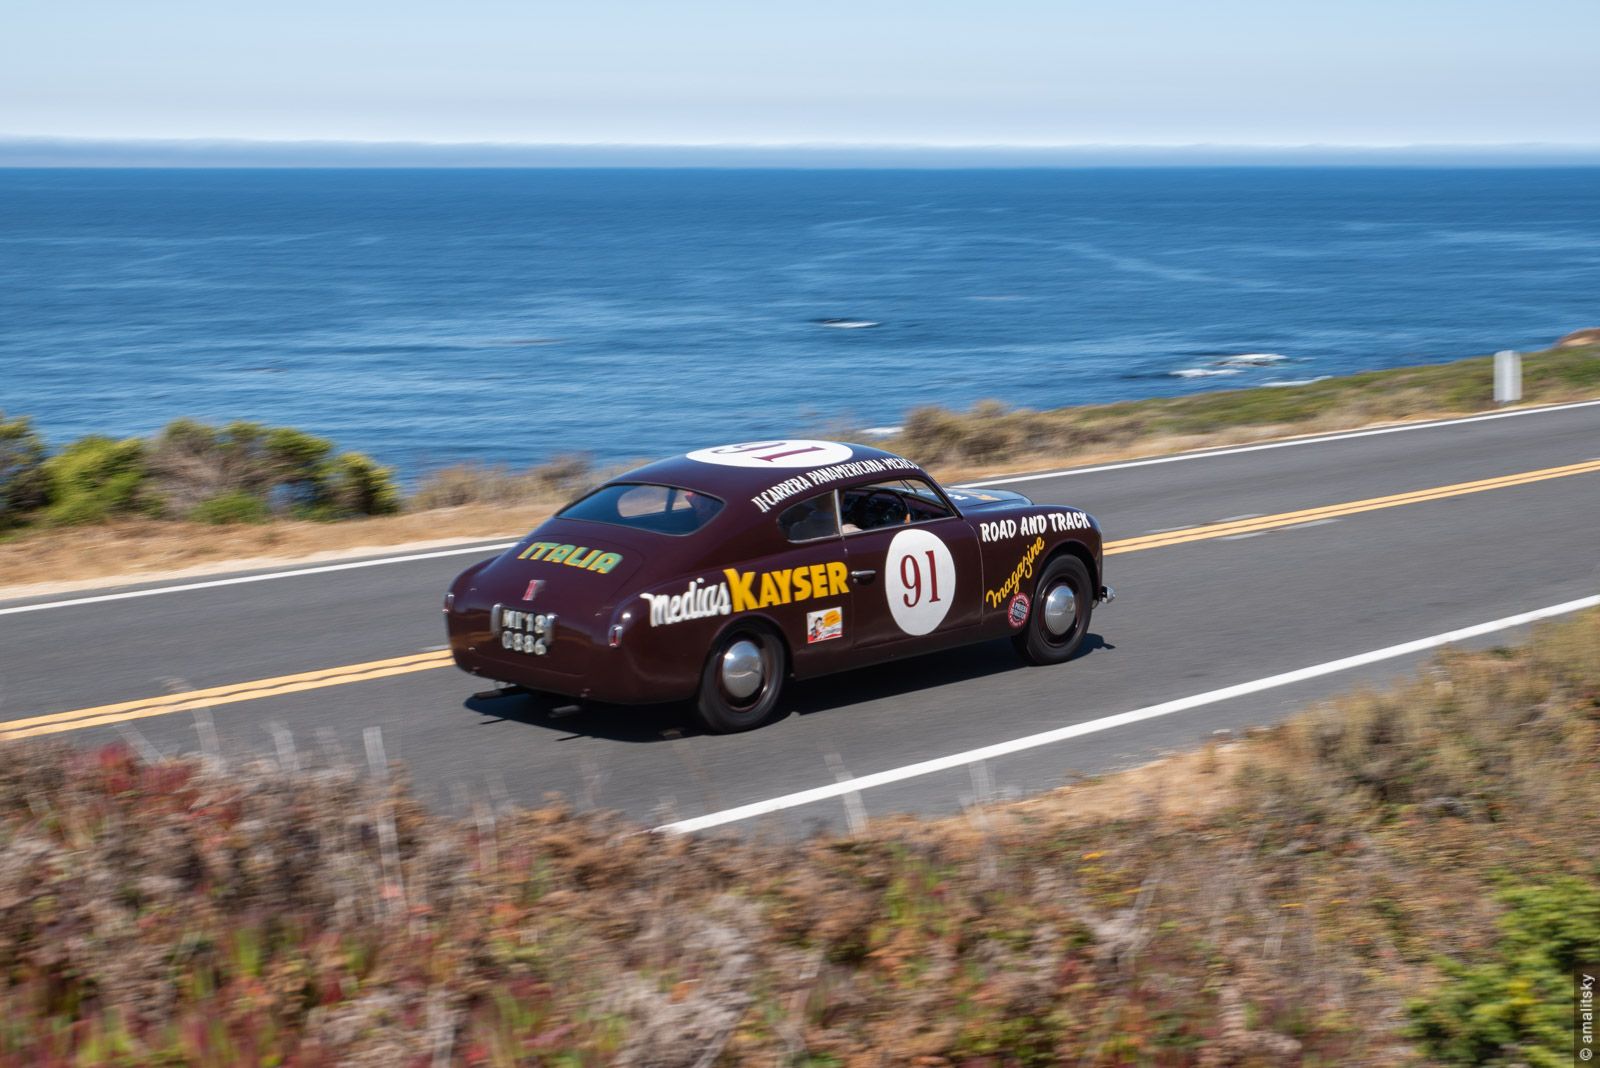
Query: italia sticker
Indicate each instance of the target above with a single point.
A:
(771, 455)
(572, 555)
(824, 626)
(1017, 611)
(921, 581)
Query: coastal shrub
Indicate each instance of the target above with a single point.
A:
(987, 433)
(353, 484)
(228, 508)
(1516, 1008)
(470, 483)
(562, 478)
(94, 479)
(191, 462)
(931, 434)
(290, 472)
(565, 475)
(24, 487)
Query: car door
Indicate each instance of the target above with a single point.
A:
(916, 570)
(809, 585)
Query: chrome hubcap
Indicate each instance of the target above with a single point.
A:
(1060, 610)
(741, 669)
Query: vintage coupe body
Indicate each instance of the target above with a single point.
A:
(719, 574)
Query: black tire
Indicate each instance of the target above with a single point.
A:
(1037, 641)
(724, 711)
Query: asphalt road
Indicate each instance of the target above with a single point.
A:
(1190, 618)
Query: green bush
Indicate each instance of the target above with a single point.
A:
(352, 484)
(239, 473)
(228, 508)
(191, 463)
(1517, 1008)
(95, 479)
(282, 470)
(24, 488)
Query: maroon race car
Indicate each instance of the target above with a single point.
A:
(719, 574)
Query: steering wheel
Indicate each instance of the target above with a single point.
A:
(879, 508)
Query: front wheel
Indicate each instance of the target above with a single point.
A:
(1063, 601)
(740, 683)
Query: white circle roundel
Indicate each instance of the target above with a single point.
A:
(921, 580)
(775, 454)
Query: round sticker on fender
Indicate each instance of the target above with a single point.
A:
(921, 580)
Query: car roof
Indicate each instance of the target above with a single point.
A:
(762, 470)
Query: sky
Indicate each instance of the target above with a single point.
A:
(983, 72)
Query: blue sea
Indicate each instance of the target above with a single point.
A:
(432, 316)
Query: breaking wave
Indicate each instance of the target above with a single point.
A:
(1252, 359)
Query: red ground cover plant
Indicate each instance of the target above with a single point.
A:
(190, 912)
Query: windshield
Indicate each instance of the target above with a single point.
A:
(642, 506)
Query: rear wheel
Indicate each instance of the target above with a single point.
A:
(740, 683)
(1062, 604)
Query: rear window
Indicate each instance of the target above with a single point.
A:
(642, 506)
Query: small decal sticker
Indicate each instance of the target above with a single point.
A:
(533, 589)
(921, 580)
(1017, 611)
(824, 626)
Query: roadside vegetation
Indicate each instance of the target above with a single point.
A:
(239, 473)
(990, 435)
(1402, 876)
(195, 495)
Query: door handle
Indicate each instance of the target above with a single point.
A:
(863, 576)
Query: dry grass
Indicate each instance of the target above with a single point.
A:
(67, 558)
(1278, 900)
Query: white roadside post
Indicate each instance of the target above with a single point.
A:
(1507, 376)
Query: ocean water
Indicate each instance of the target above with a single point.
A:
(431, 316)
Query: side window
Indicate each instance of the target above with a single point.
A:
(810, 519)
(890, 503)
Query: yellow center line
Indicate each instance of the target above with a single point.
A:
(123, 711)
(1258, 524)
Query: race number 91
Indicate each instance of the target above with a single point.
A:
(921, 580)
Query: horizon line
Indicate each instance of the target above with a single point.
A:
(33, 151)
(228, 139)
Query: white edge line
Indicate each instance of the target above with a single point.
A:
(239, 579)
(1122, 719)
(1205, 454)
